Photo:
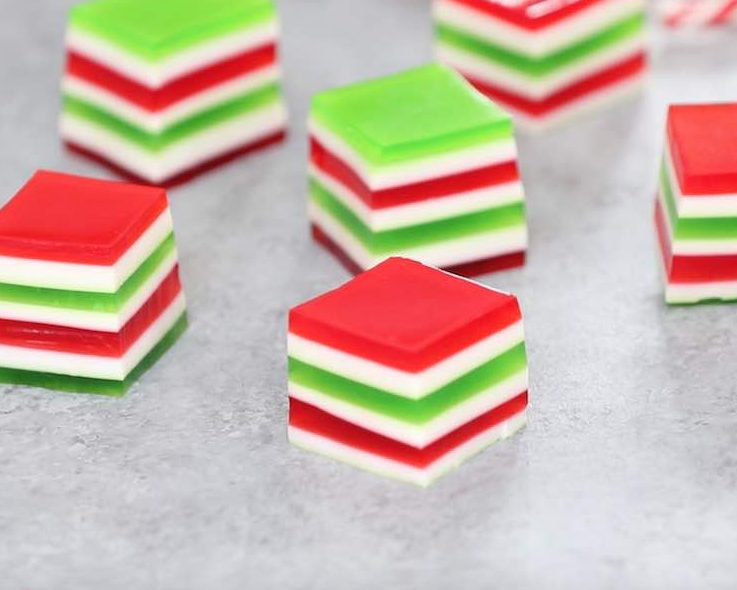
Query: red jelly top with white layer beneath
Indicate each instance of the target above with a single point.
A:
(703, 145)
(405, 315)
(63, 218)
(530, 14)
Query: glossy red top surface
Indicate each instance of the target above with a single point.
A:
(64, 218)
(404, 314)
(703, 145)
(530, 14)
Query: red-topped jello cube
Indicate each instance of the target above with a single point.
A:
(406, 371)
(696, 208)
(89, 286)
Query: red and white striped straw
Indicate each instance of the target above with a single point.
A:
(699, 13)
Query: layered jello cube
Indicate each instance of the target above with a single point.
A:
(406, 371)
(161, 90)
(545, 60)
(417, 164)
(696, 207)
(90, 295)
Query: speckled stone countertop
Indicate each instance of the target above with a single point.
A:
(626, 476)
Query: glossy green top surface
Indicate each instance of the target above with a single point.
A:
(421, 112)
(155, 29)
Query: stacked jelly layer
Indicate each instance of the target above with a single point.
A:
(88, 304)
(696, 208)
(416, 164)
(544, 61)
(164, 90)
(406, 371)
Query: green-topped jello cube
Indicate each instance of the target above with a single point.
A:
(164, 90)
(417, 164)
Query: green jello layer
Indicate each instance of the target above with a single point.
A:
(415, 114)
(694, 228)
(88, 301)
(415, 412)
(156, 29)
(414, 236)
(538, 67)
(157, 142)
(99, 386)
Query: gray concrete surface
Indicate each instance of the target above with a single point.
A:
(625, 478)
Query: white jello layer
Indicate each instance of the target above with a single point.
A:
(428, 168)
(89, 320)
(536, 43)
(87, 365)
(695, 292)
(623, 90)
(186, 154)
(713, 247)
(698, 205)
(537, 87)
(156, 122)
(444, 254)
(415, 435)
(403, 383)
(421, 211)
(157, 74)
(401, 471)
(86, 277)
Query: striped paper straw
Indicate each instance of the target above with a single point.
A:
(699, 13)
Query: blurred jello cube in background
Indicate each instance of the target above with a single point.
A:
(545, 60)
(164, 90)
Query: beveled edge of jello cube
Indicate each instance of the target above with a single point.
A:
(419, 345)
(405, 117)
(702, 140)
(156, 29)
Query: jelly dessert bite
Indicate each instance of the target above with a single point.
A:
(163, 90)
(417, 164)
(89, 286)
(696, 207)
(406, 371)
(545, 60)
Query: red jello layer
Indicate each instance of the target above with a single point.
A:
(185, 175)
(403, 317)
(488, 265)
(157, 99)
(60, 217)
(530, 14)
(79, 341)
(488, 176)
(311, 419)
(341, 255)
(692, 269)
(703, 145)
(547, 106)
